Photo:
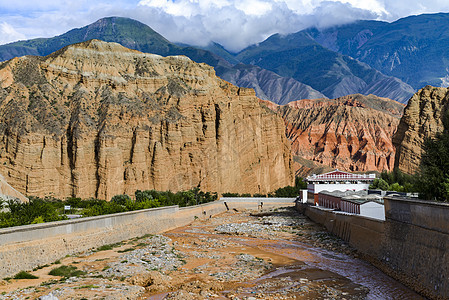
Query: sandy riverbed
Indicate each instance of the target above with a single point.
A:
(270, 254)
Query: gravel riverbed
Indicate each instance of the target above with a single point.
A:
(235, 255)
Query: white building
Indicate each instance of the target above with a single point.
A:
(368, 206)
(337, 181)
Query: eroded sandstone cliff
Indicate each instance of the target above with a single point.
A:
(350, 133)
(423, 118)
(96, 119)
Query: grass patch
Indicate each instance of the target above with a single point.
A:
(126, 250)
(58, 262)
(108, 247)
(49, 282)
(88, 286)
(40, 267)
(25, 275)
(66, 271)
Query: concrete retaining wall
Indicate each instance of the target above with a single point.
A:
(412, 245)
(362, 233)
(26, 247)
(416, 244)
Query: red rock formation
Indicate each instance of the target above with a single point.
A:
(351, 133)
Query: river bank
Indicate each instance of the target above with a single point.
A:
(269, 254)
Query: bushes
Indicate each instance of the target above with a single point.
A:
(284, 192)
(290, 191)
(395, 181)
(39, 210)
(120, 199)
(66, 271)
(433, 174)
(379, 183)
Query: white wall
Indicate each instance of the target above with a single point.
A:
(373, 210)
(337, 187)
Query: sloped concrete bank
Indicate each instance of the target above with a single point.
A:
(411, 245)
(30, 246)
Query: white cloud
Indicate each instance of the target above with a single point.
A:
(239, 23)
(9, 34)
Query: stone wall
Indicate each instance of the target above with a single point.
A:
(411, 245)
(364, 234)
(26, 247)
(416, 245)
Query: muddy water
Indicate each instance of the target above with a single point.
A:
(357, 271)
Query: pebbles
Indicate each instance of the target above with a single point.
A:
(157, 254)
(247, 267)
(245, 229)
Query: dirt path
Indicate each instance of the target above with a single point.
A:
(276, 254)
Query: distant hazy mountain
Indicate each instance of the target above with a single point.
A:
(414, 49)
(269, 85)
(333, 74)
(136, 35)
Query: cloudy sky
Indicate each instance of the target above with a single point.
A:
(233, 23)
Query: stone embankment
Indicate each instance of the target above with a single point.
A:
(410, 245)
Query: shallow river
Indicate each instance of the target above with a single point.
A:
(380, 285)
(301, 271)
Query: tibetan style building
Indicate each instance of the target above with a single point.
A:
(337, 181)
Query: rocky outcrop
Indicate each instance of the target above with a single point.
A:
(423, 118)
(96, 119)
(7, 192)
(350, 133)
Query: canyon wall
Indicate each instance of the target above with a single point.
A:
(423, 118)
(96, 119)
(350, 133)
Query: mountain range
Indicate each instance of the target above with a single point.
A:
(281, 69)
(413, 49)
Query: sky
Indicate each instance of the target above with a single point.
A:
(235, 24)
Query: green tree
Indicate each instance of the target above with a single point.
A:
(396, 187)
(379, 183)
(120, 199)
(433, 174)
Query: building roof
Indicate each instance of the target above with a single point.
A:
(357, 197)
(363, 199)
(340, 176)
(342, 194)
